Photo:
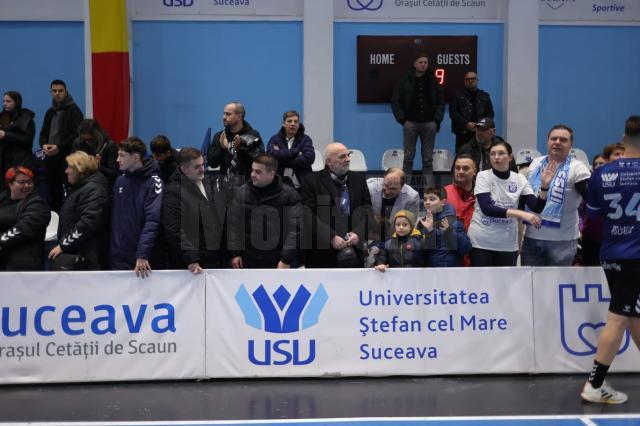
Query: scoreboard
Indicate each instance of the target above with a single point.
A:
(383, 60)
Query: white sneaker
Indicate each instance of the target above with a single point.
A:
(605, 394)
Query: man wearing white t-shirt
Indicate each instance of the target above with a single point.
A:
(555, 242)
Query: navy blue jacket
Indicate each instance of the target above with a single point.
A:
(135, 223)
(445, 248)
(299, 158)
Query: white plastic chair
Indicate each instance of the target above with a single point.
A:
(318, 163)
(358, 162)
(580, 155)
(526, 155)
(392, 158)
(52, 229)
(442, 160)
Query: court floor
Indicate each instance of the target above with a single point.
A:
(461, 400)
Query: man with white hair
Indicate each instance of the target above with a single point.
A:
(340, 210)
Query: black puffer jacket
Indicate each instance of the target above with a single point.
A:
(461, 110)
(217, 156)
(84, 221)
(22, 229)
(264, 225)
(193, 226)
(403, 96)
(71, 118)
(16, 146)
(402, 252)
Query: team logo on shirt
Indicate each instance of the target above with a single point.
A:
(609, 179)
(513, 187)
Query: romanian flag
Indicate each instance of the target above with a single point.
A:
(110, 66)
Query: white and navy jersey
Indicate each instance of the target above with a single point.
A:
(614, 193)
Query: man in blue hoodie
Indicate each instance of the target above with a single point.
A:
(137, 206)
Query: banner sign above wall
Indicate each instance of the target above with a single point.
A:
(213, 9)
(383, 60)
(422, 10)
(596, 11)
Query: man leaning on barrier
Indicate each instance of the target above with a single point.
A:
(265, 220)
(193, 215)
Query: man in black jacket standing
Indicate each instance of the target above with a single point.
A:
(234, 148)
(469, 105)
(337, 211)
(418, 104)
(59, 130)
(193, 215)
(265, 220)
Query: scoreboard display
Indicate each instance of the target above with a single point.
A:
(383, 60)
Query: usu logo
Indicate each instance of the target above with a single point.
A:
(281, 313)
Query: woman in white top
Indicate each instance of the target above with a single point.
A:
(499, 192)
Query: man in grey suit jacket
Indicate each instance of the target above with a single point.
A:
(389, 195)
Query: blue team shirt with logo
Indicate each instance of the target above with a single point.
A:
(614, 193)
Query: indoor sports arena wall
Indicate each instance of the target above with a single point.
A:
(112, 326)
(186, 67)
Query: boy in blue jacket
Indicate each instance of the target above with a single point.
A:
(137, 205)
(445, 243)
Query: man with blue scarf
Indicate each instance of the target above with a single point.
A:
(555, 242)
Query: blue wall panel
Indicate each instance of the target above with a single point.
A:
(371, 127)
(34, 54)
(589, 80)
(185, 72)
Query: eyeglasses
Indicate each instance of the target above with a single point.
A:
(23, 182)
(344, 156)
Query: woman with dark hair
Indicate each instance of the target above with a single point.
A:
(83, 227)
(94, 140)
(17, 130)
(23, 221)
(494, 231)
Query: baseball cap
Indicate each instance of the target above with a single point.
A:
(486, 123)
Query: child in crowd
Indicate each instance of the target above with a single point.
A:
(445, 243)
(404, 248)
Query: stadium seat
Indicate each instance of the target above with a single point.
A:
(442, 160)
(580, 155)
(526, 155)
(358, 162)
(392, 158)
(52, 229)
(318, 163)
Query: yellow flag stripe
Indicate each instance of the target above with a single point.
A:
(108, 22)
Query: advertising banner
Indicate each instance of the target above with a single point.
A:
(285, 323)
(589, 11)
(423, 10)
(570, 309)
(101, 326)
(211, 9)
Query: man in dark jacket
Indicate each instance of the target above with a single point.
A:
(234, 148)
(193, 215)
(264, 220)
(137, 203)
(479, 146)
(418, 104)
(293, 149)
(469, 105)
(59, 130)
(338, 212)
(165, 155)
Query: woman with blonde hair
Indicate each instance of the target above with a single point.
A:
(84, 216)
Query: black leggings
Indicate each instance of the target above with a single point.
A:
(482, 257)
